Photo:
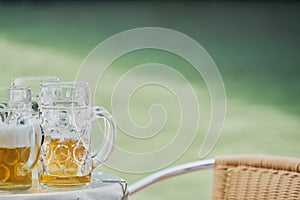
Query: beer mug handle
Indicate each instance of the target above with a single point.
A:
(35, 146)
(108, 144)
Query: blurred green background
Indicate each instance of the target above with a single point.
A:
(255, 45)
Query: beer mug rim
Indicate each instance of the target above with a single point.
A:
(19, 87)
(69, 84)
(16, 80)
(9, 88)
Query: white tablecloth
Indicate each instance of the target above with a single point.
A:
(104, 186)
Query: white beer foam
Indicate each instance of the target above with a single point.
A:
(14, 136)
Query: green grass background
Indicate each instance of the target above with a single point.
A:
(255, 46)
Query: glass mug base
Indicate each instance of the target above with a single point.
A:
(14, 186)
(65, 181)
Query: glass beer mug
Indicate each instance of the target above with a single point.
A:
(20, 138)
(33, 82)
(66, 117)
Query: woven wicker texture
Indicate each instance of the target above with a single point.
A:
(254, 177)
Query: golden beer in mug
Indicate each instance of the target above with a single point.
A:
(10, 160)
(17, 129)
(66, 117)
(64, 158)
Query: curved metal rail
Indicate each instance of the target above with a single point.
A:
(171, 172)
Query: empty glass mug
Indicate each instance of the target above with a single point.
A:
(33, 82)
(20, 138)
(66, 117)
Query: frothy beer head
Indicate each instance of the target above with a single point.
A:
(14, 136)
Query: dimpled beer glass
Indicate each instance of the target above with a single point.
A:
(20, 138)
(66, 117)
